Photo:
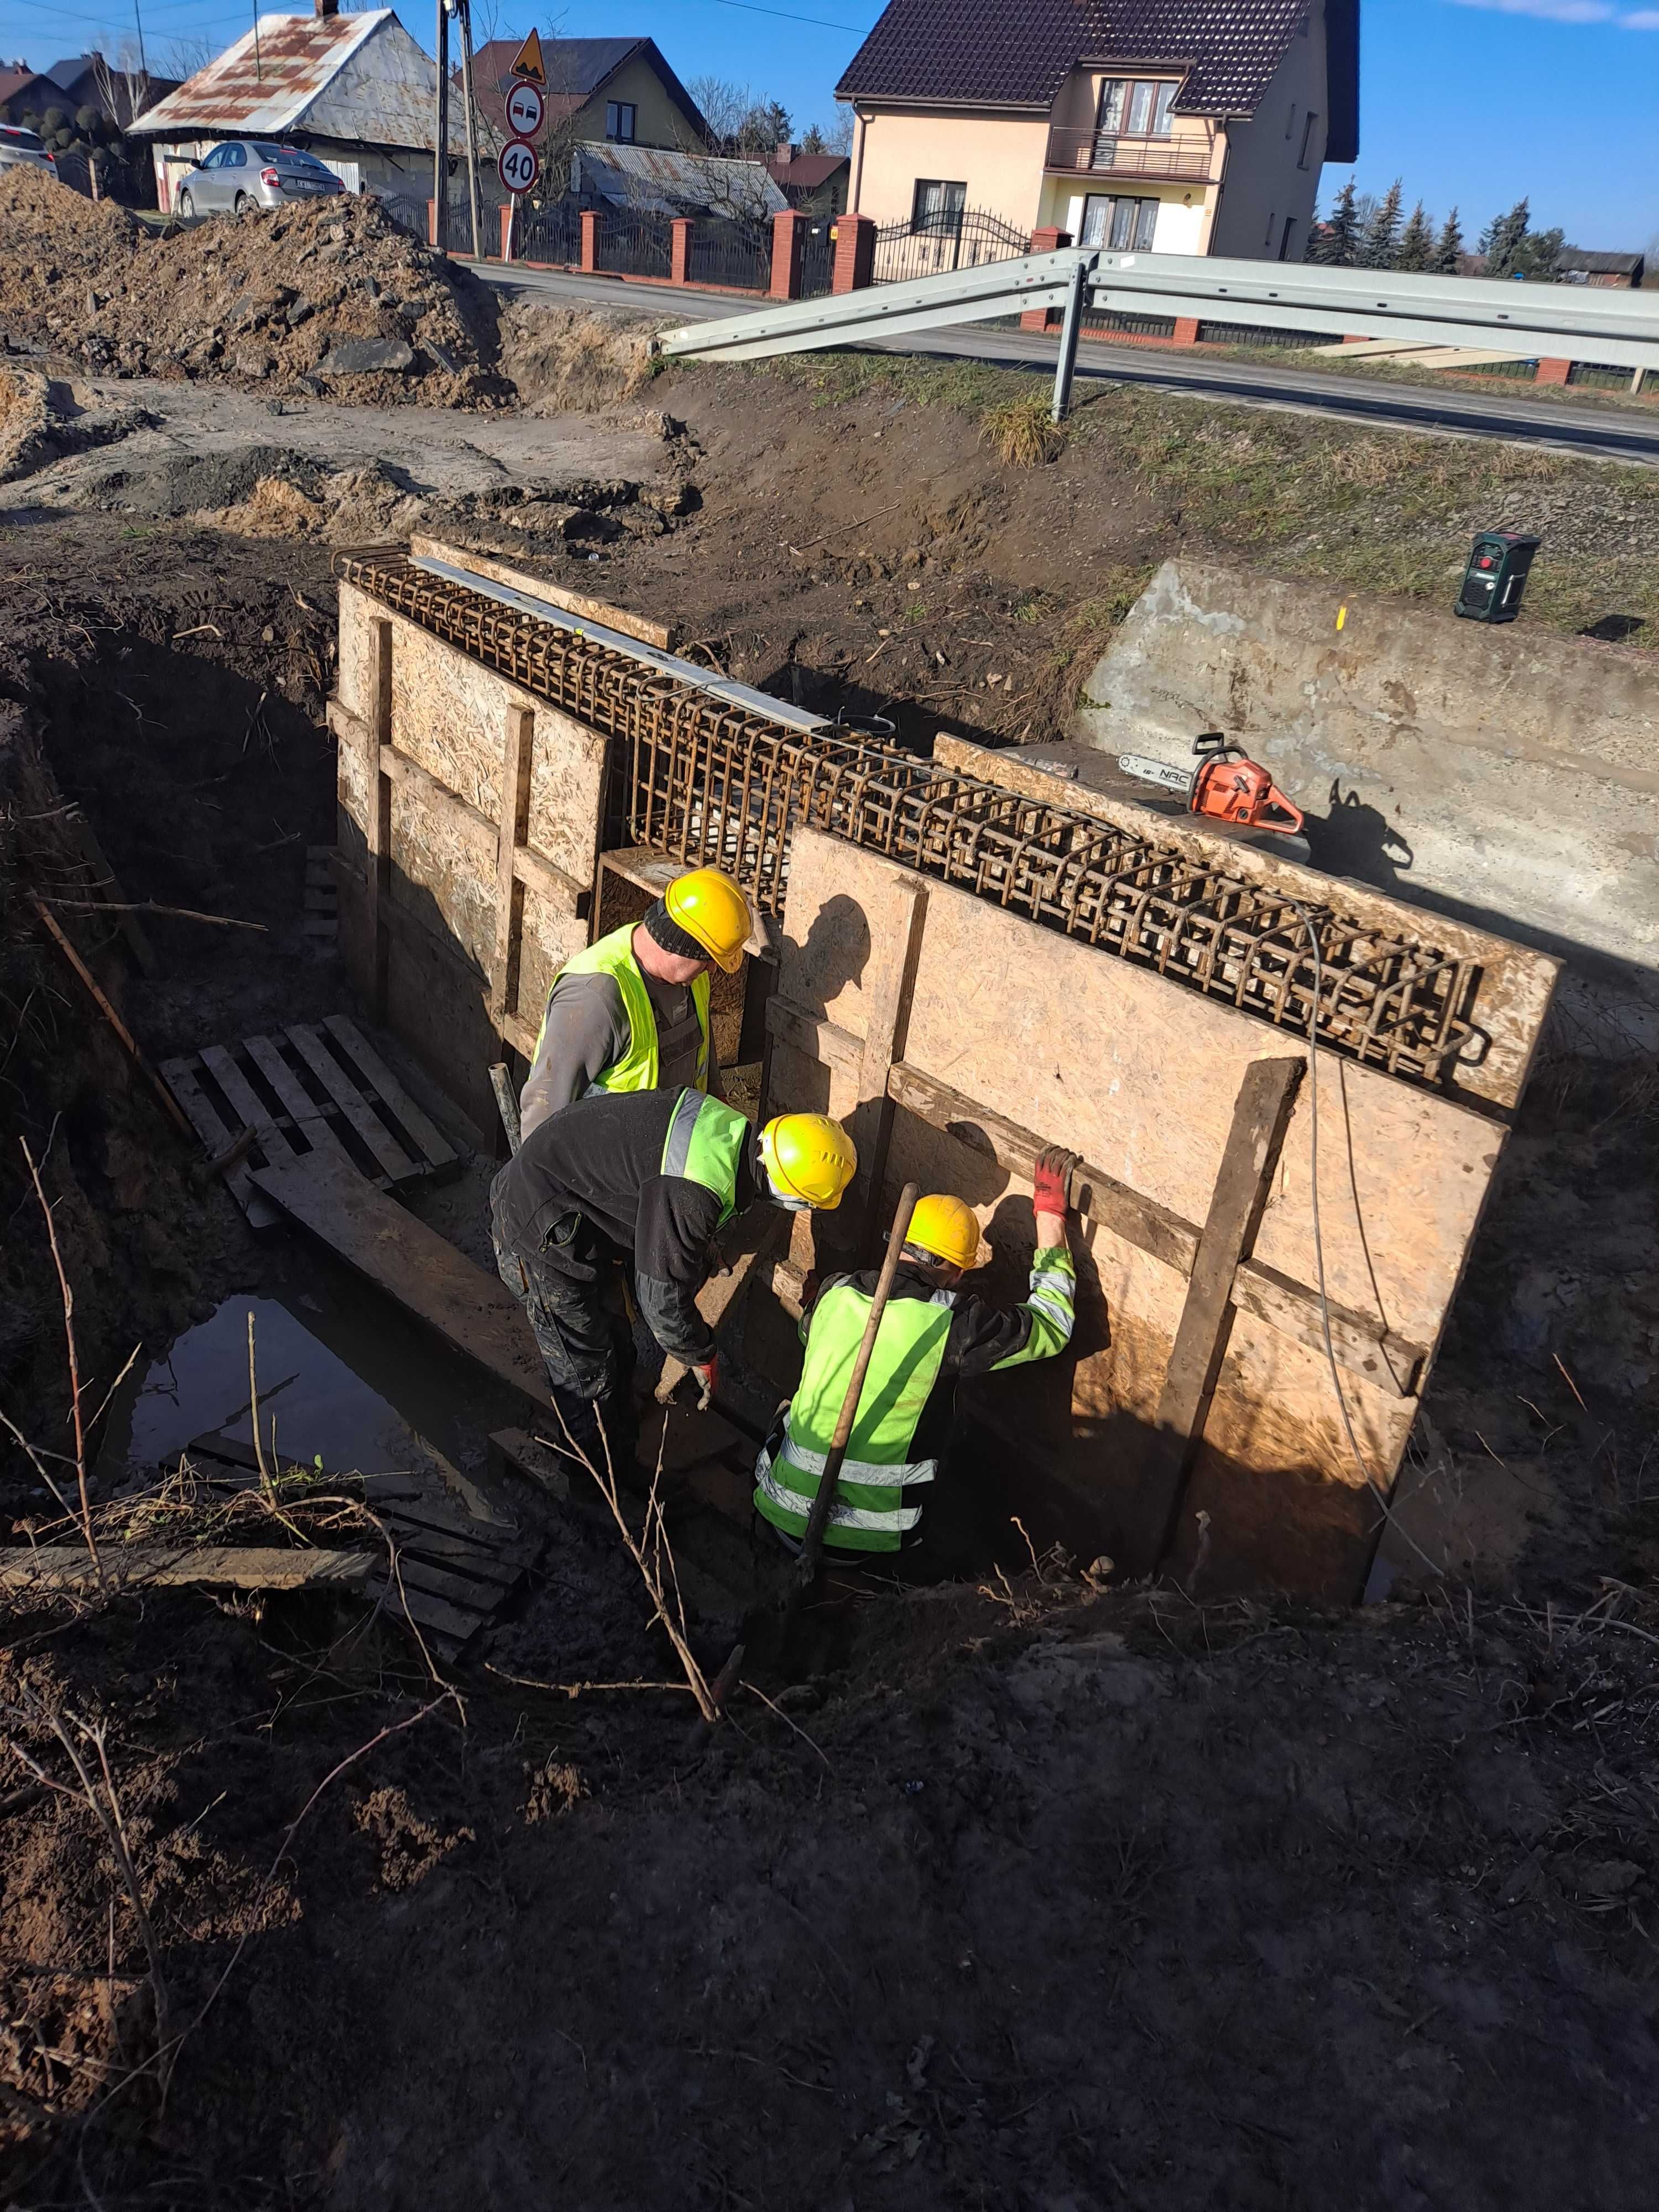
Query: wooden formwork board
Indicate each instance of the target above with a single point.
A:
(1041, 1034)
(312, 1087)
(471, 817)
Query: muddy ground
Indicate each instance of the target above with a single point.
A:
(1034, 1894)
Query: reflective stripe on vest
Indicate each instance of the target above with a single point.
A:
(904, 1365)
(704, 1145)
(613, 956)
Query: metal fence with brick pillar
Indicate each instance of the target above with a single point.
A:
(855, 252)
(1043, 241)
(789, 236)
(679, 249)
(1186, 331)
(590, 240)
(1554, 372)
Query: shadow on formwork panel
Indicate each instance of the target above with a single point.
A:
(1500, 777)
(967, 963)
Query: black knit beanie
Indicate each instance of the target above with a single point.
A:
(666, 932)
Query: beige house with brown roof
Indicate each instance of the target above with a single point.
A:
(1170, 126)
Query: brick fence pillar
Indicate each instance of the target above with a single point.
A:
(1043, 241)
(508, 211)
(590, 240)
(1185, 331)
(788, 237)
(679, 249)
(432, 222)
(1554, 372)
(855, 251)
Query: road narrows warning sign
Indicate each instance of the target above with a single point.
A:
(529, 65)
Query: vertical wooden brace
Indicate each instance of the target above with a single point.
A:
(1249, 1162)
(514, 817)
(378, 828)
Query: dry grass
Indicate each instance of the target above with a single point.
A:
(1020, 433)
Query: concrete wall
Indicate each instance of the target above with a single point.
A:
(1500, 775)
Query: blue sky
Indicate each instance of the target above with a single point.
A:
(1471, 100)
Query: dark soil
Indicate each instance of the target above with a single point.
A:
(1032, 1895)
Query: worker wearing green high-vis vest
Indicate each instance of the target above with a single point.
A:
(933, 1335)
(631, 1012)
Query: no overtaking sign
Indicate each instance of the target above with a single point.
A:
(524, 110)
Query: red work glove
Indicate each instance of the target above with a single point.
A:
(1049, 1182)
(707, 1376)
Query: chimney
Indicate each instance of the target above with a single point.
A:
(784, 152)
(323, 8)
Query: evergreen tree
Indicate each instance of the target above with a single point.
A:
(1449, 247)
(1333, 240)
(1502, 239)
(1537, 255)
(813, 141)
(1380, 242)
(1416, 246)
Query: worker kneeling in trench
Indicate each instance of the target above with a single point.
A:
(647, 1177)
(631, 1012)
(931, 1337)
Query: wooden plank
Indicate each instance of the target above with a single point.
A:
(517, 1449)
(180, 1076)
(889, 980)
(488, 1570)
(418, 1571)
(243, 1097)
(665, 636)
(1261, 1114)
(176, 1566)
(818, 1038)
(643, 866)
(382, 1146)
(538, 874)
(436, 1147)
(308, 1114)
(427, 1611)
(509, 891)
(473, 1312)
(378, 828)
(1390, 1362)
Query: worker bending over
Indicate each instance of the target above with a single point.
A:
(631, 1012)
(646, 1177)
(931, 1337)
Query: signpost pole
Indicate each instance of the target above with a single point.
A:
(440, 148)
(466, 7)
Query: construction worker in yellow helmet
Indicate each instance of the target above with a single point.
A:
(648, 1178)
(932, 1336)
(631, 1012)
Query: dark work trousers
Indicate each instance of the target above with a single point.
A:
(587, 1349)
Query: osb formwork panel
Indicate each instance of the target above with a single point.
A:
(1140, 1079)
(450, 941)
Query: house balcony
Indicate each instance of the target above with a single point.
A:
(1174, 160)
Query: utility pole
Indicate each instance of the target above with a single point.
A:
(465, 10)
(139, 25)
(440, 151)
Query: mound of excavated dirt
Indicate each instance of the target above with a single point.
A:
(331, 298)
(41, 420)
(582, 358)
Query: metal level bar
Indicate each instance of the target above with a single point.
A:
(1571, 322)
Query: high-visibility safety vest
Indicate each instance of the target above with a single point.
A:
(869, 1514)
(704, 1144)
(636, 1070)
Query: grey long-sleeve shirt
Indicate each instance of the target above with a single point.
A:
(586, 1031)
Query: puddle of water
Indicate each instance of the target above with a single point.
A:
(317, 1406)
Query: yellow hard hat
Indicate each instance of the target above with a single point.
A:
(809, 1158)
(946, 1227)
(710, 906)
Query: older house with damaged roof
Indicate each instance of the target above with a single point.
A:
(1173, 126)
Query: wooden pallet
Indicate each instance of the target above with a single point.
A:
(313, 1087)
(453, 1574)
(321, 923)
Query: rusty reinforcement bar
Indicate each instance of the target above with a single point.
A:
(710, 783)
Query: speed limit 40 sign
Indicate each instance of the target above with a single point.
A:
(524, 110)
(518, 166)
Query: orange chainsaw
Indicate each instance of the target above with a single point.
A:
(1227, 785)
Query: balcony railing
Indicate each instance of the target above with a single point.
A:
(1102, 152)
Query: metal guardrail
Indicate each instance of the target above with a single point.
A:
(1619, 329)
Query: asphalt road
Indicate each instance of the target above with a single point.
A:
(1601, 433)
